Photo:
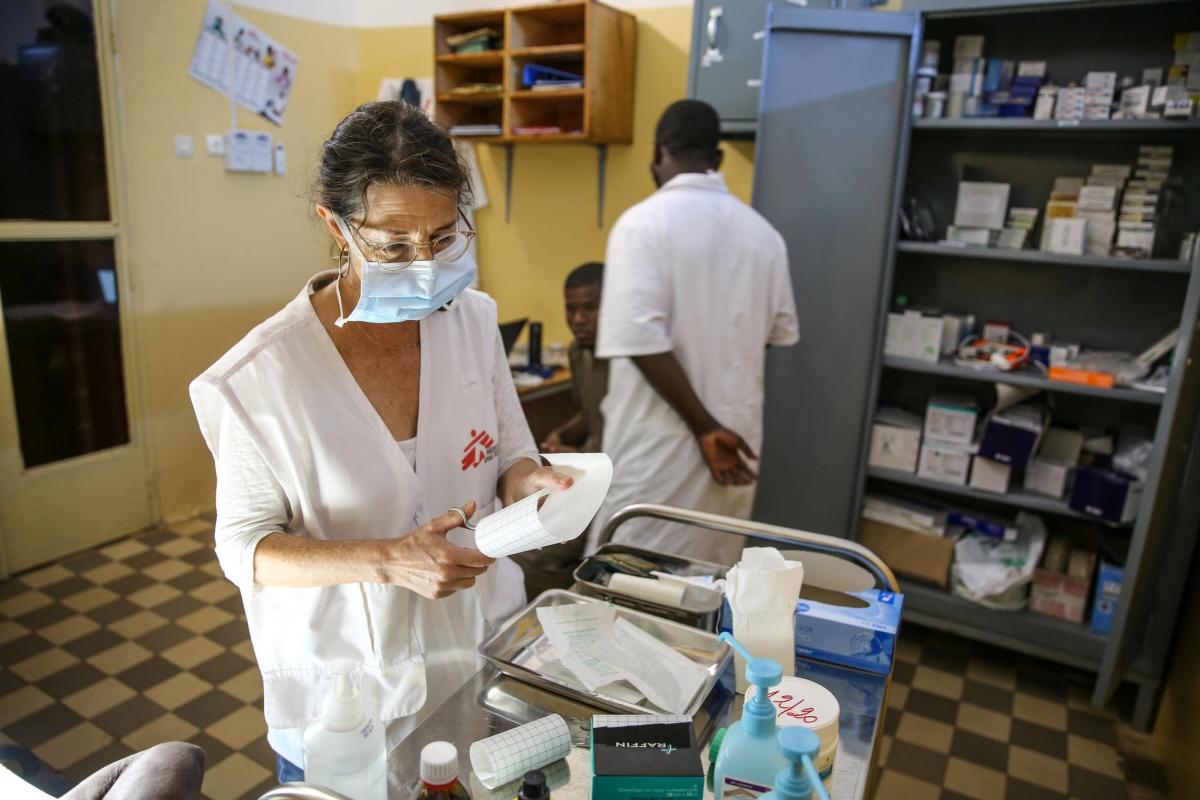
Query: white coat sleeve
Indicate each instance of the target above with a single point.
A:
(785, 328)
(635, 303)
(250, 502)
(515, 440)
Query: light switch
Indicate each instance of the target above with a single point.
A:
(215, 144)
(184, 146)
(280, 160)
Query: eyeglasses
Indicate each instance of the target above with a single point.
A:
(402, 253)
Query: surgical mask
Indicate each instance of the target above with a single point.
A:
(392, 293)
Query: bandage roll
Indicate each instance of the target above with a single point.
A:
(667, 593)
(507, 756)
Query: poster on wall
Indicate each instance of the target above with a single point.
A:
(239, 60)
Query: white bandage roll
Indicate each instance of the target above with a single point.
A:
(667, 593)
(507, 756)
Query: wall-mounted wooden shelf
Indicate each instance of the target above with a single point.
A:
(583, 37)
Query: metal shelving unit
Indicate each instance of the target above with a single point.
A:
(1016, 497)
(823, 192)
(1029, 378)
(1165, 265)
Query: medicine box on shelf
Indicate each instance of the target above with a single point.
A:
(990, 476)
(1108, 591)
(1105, 493)
(895, 440)
(950, 419)
(1058, 594)
(945, 463)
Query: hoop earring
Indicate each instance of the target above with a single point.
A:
(343, 259)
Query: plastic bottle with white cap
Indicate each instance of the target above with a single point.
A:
(439, 773)
(800, 780)
(346, 750)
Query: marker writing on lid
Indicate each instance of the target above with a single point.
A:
(806, 715)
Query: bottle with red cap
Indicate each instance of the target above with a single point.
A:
(439, 773)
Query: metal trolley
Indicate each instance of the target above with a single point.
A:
(492, 701)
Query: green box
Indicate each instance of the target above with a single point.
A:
(645, 757)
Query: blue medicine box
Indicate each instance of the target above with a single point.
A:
(863, 637)
(1105, 493)
(1011, 441)
(1108, 590)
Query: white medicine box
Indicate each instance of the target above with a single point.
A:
(944, 463)
(990, 476)
(911, 334)
(1047, 476)
(895, 440)
(950, 419)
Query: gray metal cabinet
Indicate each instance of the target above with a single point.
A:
(726, 60)
(727, 56)
(835, 151)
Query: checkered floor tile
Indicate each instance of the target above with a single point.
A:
(966, 720)
(142, 641)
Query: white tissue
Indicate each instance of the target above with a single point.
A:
(762, 589)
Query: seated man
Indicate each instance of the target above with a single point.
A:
(551, 567)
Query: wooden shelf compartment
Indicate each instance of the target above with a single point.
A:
(547, 25)
(445, 25)
(566, 113)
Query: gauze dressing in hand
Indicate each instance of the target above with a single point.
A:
(763, 589)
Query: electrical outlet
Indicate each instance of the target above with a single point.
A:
(215, 144)
(184, 146)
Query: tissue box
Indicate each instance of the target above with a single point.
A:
(895, 440)
(650, 760)
(1105, 493)
(1108, 591)
(909, 553)
(864, 638)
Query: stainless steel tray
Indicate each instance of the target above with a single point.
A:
(512, 648)
(589, 575)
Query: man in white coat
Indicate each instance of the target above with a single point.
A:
(696, 288)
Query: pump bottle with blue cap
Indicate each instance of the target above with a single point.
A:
(748, 761)
(800, 781)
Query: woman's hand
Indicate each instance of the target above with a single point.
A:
(525, 478)
(430, 565)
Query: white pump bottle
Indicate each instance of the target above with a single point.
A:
(346, 750)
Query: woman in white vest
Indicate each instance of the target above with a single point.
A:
(347, 425)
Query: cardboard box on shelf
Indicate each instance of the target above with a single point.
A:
(1011, 436)
(1105, 493)
(1047, 476)
(911, 554)
(1057, 594)
(950, 419)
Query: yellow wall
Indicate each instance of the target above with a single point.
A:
(553, 225)
(211, 253)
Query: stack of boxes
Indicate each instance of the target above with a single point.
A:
(1062, 231)
(1139, 206)
(1098, 205)
(1019, 228)
(966, 81)
(979, 213)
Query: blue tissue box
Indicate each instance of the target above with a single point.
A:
(859, 637)
(1108, 590)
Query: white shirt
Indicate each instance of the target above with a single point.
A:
(300, 449)
(694, 271)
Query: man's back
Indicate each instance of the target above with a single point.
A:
(692, 271)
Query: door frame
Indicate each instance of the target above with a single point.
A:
(115, 229)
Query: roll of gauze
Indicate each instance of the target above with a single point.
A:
(667, 593)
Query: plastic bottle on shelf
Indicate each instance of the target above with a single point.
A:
(748, 761)
(439, 773)
(346, 750)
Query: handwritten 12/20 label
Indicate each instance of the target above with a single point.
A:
(802, 702)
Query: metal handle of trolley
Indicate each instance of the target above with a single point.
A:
(803, 540)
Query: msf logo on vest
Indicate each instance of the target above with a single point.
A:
(480, 450)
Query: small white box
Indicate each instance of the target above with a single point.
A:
(1047, 476)
(990, 476)
(1097, 198)
(1067, 235)
(950, 420)
(1101, 80)
(944, 463)
(895, 440)
(981, 204)
(911, 334)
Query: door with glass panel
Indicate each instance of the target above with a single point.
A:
(72, 468)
